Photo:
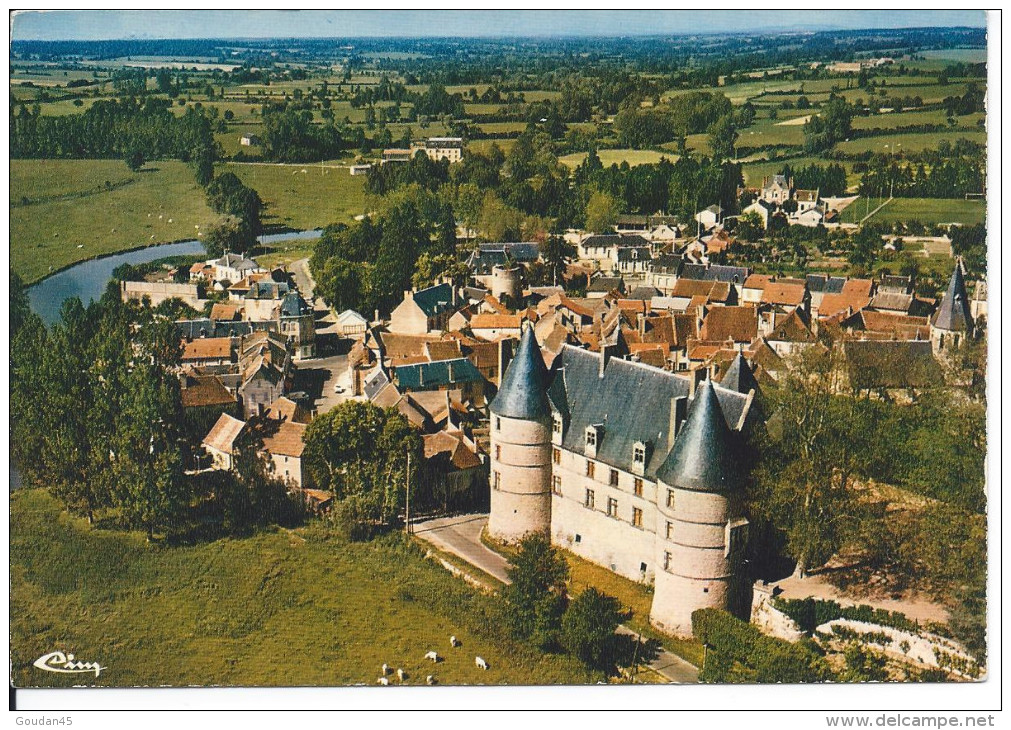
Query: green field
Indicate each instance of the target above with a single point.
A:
(616, 157)
(46, 235)
(931, 210)
(303, 200)
(755, 171)
(279, 608)
(908, 142)
(892, 120)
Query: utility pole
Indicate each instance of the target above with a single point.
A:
(407, 509)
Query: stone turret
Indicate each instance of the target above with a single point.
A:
(506, 281)
(521, 447)
(700, 533)
(953, 320)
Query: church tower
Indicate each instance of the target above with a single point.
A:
(521, 447)
(953, 320)
(701, 532)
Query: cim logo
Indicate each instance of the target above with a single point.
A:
(61, 663)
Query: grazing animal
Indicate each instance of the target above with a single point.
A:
(80, 245)
(386, 669)
(481, 663)
(453, 641)
(383, 681)
(433, 656)
(401, 674)
(430, 680)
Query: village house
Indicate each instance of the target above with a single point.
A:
(396, 155)
(283, 444)
(709, 217)
(440, 148)
(233, 267)
(219, 443)
(424, 311)
(266, 370)
(776, 189)
(459, 374)
(351, 324)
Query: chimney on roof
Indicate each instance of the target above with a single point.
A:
(697, 376)
(678, 413)
(408, 294)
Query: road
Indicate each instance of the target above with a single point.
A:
(461, 536)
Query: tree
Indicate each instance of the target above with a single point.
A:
(588, 628)
(429, 268)
(340, 283)
(535, 599)
(557, 253)
(602, 211)
(359, 452)
(816, 440)
(232, 235)
(135, 160)
(723, 137)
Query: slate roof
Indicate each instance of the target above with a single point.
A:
(645, 293)
(606, 284)
(633, 253)
(267, 290)
(715, 272)
(375, 382)
(293, 305)
(703, 458)
(435, 299)
(435, 374)
(632, 402)
(892, 302)
(522, 392)
(953, 312)
(739, 376)
(666, 264)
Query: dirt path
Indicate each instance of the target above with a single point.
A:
(816, 586)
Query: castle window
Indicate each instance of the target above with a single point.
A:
(637, 488)
(642, 567)
(670, 530)
(639, 453)
(498, 481)
(666, 560)
(556, 485)
(556, 456)
(498, 423)
(670, 498)
(579, 538)
(589, 499)
(589, 468)
(614, 477)
(591, 437)
(498, 452)
(612, 507)
(556, 425)
(637, 517)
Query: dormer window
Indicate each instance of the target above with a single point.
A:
(640, 453)
(594, 435)
(556, 425)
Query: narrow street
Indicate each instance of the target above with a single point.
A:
(461, 536)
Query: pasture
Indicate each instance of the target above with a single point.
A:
(616, 157)
(932, 211)
(909, 142)
(288, 608)
(300, 200)
(69, 205)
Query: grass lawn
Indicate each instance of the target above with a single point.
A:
(306, 200)
(616, 157)
(47, 234)
(283, 253)
(279, 608)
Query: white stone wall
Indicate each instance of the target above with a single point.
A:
(408, 319)
(612, 542)
(506, 282)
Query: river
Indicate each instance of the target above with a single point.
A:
(88, 279)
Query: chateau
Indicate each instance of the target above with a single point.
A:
(629, 466)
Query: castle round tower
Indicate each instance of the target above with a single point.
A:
(701, 532)
(521, 447)
(506, 282)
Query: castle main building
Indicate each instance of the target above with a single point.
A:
(628, 466)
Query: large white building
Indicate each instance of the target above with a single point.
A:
(628, 466)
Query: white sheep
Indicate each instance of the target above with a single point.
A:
(430, 680)
(453, 641)
(481, 663)
(433, 656)
(401, 674)
(383, 681)
(386, 669)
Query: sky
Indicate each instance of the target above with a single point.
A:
(114, 24)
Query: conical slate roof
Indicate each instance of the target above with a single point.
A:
(954, 314)
(522, 394)
(739, 376)
(702, 458)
